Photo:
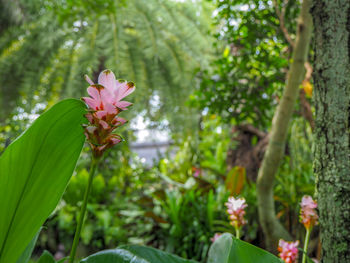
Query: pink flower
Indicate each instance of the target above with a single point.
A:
(235, 209)
(196, 171)
(288, 251)
(308, 213)
(105, 103)
(107, 95)
(215, 237)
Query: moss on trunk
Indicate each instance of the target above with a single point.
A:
(332, 149)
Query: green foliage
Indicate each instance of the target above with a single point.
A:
(228, 249)
(46, 257)
(295, 177)
(118, 212)
(27, 253)
(34, 172)
(129, 204)
(204, 152)
(137, 254)
(190, 226)
(158, 44)
(178, 204)
(252, 62)
(167, 207)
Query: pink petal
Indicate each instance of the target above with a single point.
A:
(89, 117)
(120, 89)
(91, 129)
(123, 104)
(104, 124)
(107, 79)
(118, 121)
(110, 108)
(123, 90)
(93, 92)
(131, 89)
(101, 148)
(93, 104)
(89, 80)
(121, 120)
(106, 96)
(101, 114)
(115, 141)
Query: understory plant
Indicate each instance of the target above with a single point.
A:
(48, 152)
(104, 104)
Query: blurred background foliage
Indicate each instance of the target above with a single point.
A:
(203, 69)
(157, 44)
(250, 42)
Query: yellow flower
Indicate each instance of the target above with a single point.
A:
(307, 88)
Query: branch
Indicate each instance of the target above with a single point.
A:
(281, 15)
(306, 107)
(271, 226)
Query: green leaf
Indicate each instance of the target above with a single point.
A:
(46, 257)
(34, 172)
(25, 256)
(228, 249)
(134, 254)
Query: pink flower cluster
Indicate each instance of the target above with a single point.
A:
(308, 213)
(215, 237)
(288, 251)
(105, 103)
(196, 171)
(235, 209)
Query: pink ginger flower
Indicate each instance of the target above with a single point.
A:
(288, 251)
(215, 237)
(308, 213)
(196, 171)
(235, 209)
(105, 104)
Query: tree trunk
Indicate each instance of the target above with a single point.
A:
(272, 228)
(332, 146)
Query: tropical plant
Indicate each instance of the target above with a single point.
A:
(157, 43)
(34, 172)
(246, 80)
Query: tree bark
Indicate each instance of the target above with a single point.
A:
(332, 146)
(272, 228)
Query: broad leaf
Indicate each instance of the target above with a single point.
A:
(26, 254)
(34, 172)
(228, 249)
(134, 254)
(46, 257)
(235, 180)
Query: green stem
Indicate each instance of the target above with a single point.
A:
(83, 210)
(306, 243)
(237, 233)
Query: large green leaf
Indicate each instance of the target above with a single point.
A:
(26, 254)
(34, 172)
(46, 257)
(228, 249)
(134, 254)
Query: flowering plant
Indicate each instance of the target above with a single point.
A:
(215, 237)
(308, 214)
(105, 105)
(235, 209)
(309, 218)
(288, 251)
